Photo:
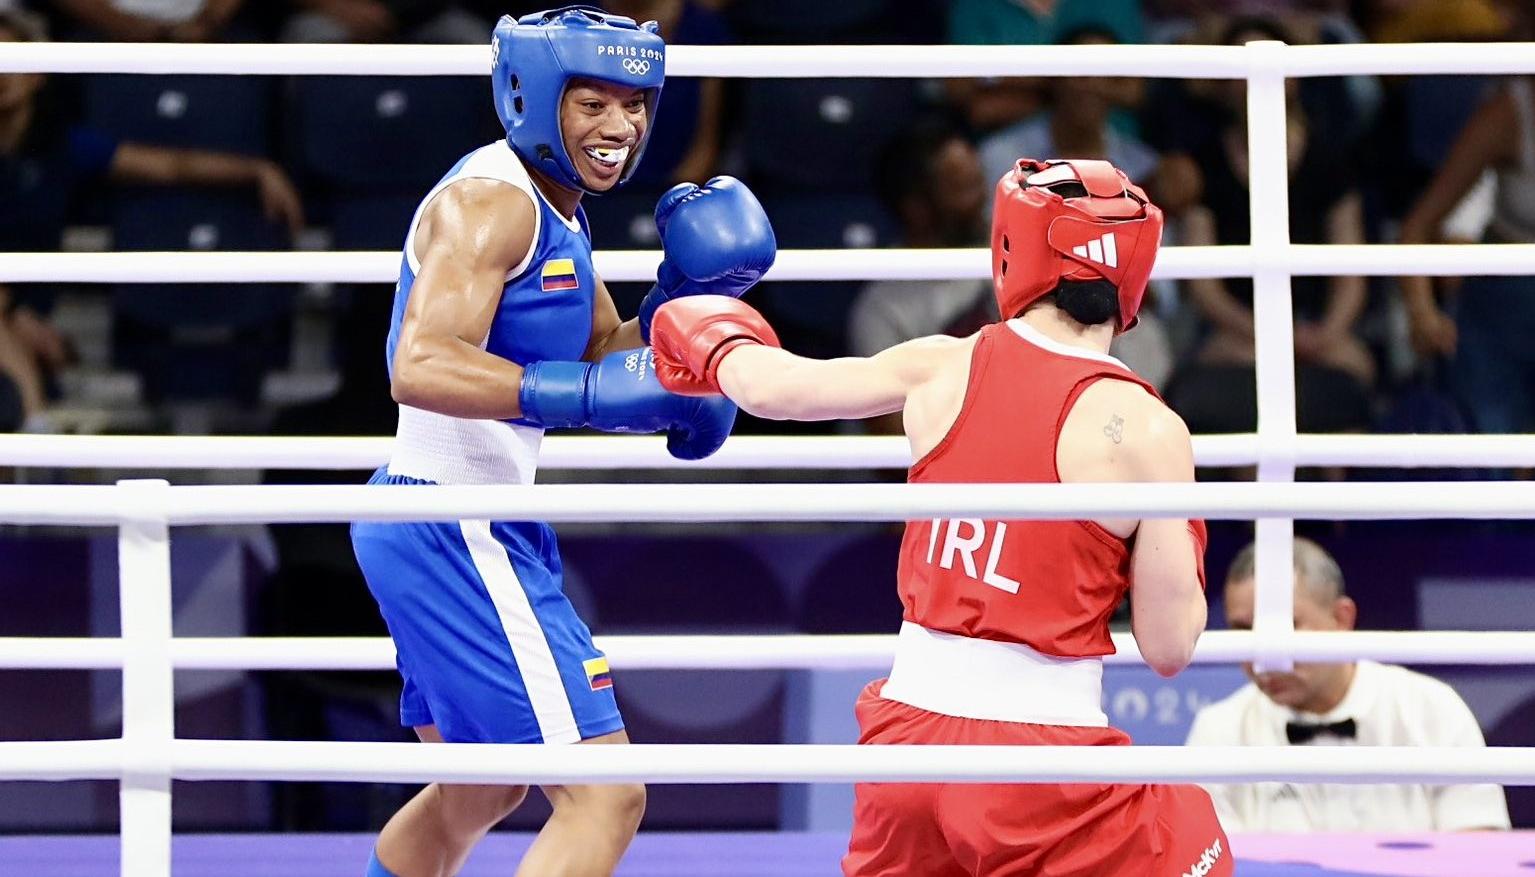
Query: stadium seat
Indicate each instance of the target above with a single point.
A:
(625, 220)
(811, 135)
(808, 21)
(812, 316)
(199, 341)
(371, 221)
(388, 133)
(231, 113)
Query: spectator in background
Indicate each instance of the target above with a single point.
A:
(989, 104)
(684, 146)
(930, 178)
(384, 21)
(1429, 21)
(1075, 123)
(45, 165)
(30, 349)
(1492, 368)
(153, 21)
(1334, 369)
(1356, 704)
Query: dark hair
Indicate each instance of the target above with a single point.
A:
(1089, 302)
(906, 164)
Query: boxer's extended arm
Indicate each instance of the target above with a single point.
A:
(470, 236)
(777, 385)
(609, 333)
(1166, 589)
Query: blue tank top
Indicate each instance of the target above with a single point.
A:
(545, 313)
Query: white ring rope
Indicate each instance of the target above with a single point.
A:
(872, 652)
(383, 267)
(1158, 61)
(712, 503)
(737, 763)
(740, 452)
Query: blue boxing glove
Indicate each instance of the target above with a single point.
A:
(621, 393)
(715, 239)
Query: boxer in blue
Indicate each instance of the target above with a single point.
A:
(501, 329)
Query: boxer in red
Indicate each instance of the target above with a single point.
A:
(1006, 622)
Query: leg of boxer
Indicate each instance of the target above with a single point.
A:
(1193, 841)
(435, 831)
(895, 832)
(590, 829)
(491, 651)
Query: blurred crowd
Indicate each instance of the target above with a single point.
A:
(264, 163)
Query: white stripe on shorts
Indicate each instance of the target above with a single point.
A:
(530, 648)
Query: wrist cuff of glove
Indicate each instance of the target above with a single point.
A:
(712, 369)
(553, 394)
(648, 305)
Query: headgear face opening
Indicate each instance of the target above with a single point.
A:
(533, 60)
(1071, 220)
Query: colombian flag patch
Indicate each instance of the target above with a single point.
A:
(597, 673)
(559, 274)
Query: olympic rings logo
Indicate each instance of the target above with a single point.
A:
(637, 66)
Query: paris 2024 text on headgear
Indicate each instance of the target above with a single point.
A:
(1071, 220)
(533, 60)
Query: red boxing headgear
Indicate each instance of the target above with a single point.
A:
(1071, 220)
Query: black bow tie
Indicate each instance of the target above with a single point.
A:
(1305, 732)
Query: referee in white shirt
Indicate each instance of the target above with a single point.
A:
(1358, 704)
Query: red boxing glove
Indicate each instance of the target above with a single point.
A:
(691, 336)
(1201, 534)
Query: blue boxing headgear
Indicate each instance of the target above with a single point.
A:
(533, 59)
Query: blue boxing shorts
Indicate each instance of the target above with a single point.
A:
(490, 649)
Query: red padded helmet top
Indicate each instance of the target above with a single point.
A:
(1071, 219)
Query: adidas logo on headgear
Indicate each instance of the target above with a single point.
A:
(1103, 251)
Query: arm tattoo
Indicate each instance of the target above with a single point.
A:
(1115, 429)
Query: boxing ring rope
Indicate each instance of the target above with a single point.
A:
(802, 62)
(148, 755)
(851, 264)
(871, 652)
(133, 501)
(1173, 263)
(594, 453)
(287, 761)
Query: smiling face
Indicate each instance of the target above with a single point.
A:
(603, 125)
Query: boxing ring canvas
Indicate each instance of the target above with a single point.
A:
(657, 854)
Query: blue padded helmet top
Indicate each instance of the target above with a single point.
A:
(533, 59)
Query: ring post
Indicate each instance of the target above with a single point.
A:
(144, 582)
(1268, 182)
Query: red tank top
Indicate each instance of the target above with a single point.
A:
(1051, 585)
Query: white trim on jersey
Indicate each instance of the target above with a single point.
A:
(1039, 339)
(530, 648)
(495, 161)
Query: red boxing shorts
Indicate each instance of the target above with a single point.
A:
(971, 830)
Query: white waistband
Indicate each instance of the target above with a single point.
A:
(454, 450)
(985, 679)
